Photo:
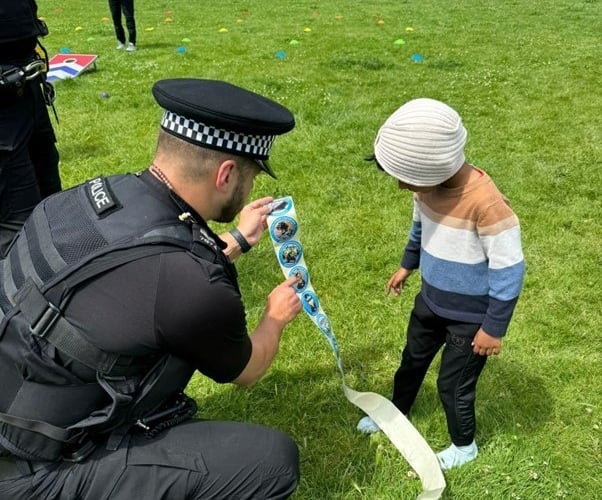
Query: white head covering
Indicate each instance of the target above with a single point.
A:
(422, 143)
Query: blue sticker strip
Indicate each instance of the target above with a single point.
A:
(284, 231)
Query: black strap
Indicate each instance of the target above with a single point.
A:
(101, 264)
(245, 246)
(47, 322)
(48, 430)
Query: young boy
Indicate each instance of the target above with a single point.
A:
(465, 239)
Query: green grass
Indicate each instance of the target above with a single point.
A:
(524, 75)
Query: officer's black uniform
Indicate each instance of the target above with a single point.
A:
(110, 297)
(28, 155)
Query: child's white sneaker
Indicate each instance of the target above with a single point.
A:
(120, 46)
(455, 456)
(130, 48)
(367, 425)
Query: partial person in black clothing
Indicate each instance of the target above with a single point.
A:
(29, 159)
(117, 290)
(125, 7)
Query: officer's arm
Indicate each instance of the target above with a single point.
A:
(282, 306)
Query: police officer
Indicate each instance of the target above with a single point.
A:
(117, 290)
(28, 155)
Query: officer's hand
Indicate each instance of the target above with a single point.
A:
(283, 303)
(253, 219)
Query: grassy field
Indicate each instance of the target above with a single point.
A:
(524, 75)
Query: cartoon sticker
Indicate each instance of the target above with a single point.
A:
(310, 303)
(290, 254)
(281, 205)
(283, 228)
(324, 324)
(302, 277)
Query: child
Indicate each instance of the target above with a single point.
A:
(127, 6)
(465, 239)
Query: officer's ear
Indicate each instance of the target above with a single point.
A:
(225, 175)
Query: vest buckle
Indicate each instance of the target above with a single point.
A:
(46, 321)
(81, 453)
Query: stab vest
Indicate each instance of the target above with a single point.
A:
(19, 20)
(46, 410)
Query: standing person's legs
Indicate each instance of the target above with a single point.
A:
(458, 376)
(425, 336)
(19, 191)
(194, 460)
(115, 7)
(130, 21)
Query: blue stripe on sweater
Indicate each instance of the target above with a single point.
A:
(466, 279)
(506, 283)
(472, 279)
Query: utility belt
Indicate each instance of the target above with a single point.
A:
(14, 78)
(172, 413)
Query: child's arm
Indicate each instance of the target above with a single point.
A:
(499, 231)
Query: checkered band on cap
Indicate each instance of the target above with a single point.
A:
(256, 146)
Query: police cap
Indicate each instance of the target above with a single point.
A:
(221, 116)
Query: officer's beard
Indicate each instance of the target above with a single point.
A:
(234, 205)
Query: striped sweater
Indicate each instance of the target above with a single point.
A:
(466, 242)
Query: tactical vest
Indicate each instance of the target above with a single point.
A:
(46, 411)
(19, 19)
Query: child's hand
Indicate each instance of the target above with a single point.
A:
(397, 281)
(486, 345)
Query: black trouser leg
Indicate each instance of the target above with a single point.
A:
(45, 158)
(425, 336)
(194, 460)
(19, 191)
(457, 382)
(115, 7)
(130, 22)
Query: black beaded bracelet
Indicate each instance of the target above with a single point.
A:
(241, 240)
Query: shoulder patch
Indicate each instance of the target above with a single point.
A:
(101, 197)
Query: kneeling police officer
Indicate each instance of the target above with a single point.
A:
(116, 291)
